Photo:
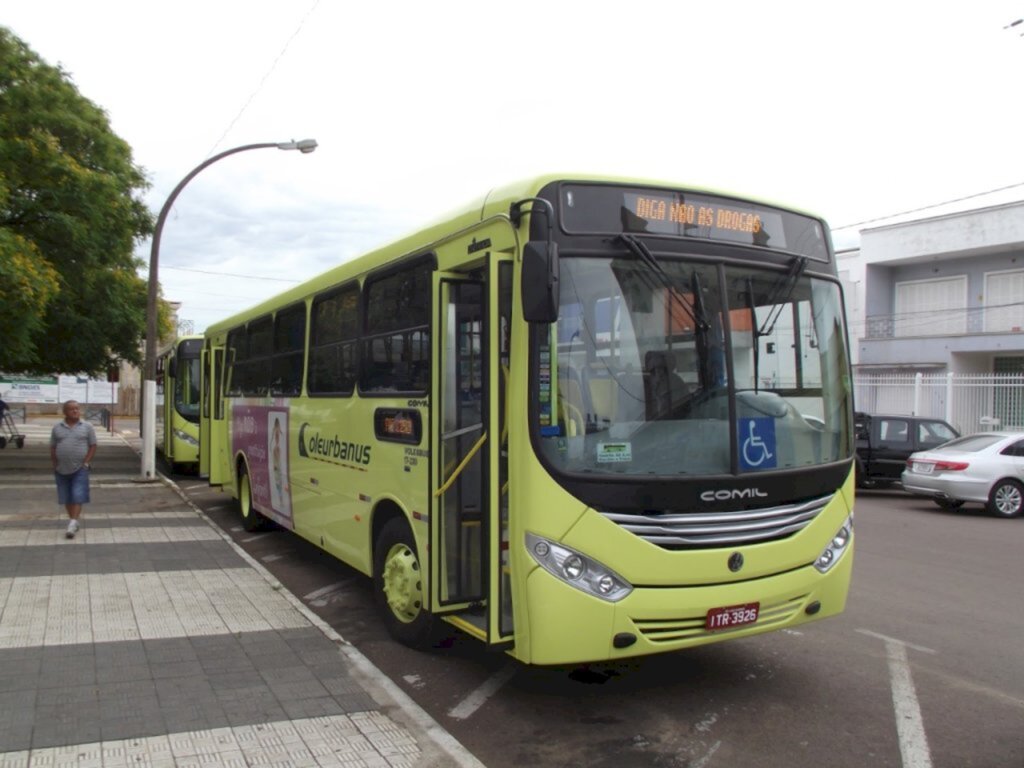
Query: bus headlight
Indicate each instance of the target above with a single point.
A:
(577, 570)
(840, 541)
(185, 437)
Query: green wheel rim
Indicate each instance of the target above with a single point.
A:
(403, 587)
(245, 497)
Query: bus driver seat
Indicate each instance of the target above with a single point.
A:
(665, 389)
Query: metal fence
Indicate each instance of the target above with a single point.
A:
(970, 402)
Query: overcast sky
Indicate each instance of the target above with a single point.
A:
(852, 110)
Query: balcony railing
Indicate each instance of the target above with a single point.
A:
(1007, 318)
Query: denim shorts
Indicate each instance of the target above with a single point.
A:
(73, 488)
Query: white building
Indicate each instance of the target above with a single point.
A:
(939, 295)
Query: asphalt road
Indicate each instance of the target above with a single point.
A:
(924, 670)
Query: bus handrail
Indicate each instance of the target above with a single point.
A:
(462, 466)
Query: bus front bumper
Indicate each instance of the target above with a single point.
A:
(569, 626)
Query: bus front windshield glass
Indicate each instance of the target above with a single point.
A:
(186, 388)
(633, 378)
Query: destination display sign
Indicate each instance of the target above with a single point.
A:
(600, 209)
(398, 425)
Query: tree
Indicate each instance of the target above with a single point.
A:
(71, 213)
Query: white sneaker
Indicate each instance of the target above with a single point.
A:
(72, 529)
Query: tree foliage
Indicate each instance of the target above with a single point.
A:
(71, 213)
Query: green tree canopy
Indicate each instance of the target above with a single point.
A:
(71, 212)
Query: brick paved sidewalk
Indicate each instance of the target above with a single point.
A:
(150, 639)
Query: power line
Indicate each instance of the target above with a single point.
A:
(232, 274)
(263, 82)
(929, 207)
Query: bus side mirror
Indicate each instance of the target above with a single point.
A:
(540, 282)
(172, 368)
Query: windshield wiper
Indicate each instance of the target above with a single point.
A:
(702, 326)
(780, 294)
(754, 331)
(697, 314)
(639, 249)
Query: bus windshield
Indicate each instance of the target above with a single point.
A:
(186, 388)
(663, 366)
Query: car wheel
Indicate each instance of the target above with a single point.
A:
(400, 586)
(1006, 498)
(949, 504)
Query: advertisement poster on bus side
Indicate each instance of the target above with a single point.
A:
(261, 433)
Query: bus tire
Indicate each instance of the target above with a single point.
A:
(251, 519)
(400, 586)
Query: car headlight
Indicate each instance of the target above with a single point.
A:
(836, 546)
(577, 570)
(185, 436)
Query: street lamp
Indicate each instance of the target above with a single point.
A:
(149, 384)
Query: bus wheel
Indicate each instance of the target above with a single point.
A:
(399, 585)
(251, 519)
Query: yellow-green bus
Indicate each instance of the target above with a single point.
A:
(582, 419)
(177, 416)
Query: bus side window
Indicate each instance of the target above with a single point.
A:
(289, 339)
(333, 342)
(396, 344)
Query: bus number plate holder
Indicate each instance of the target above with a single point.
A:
(731, 616)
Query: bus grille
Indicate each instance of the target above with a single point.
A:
(673, 630)
(700, 530)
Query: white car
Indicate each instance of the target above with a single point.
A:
(986, 468)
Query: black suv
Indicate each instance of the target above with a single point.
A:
(884, 443)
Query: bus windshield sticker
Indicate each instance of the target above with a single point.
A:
(757, 443)
(608, 453)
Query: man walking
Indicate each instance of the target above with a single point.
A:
(72, 446)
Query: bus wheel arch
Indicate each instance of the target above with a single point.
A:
(251, 519)
(399, 579)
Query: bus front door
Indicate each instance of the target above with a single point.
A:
(464, 450)
(206, 382)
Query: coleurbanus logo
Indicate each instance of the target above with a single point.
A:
(331, 448)
(732, 494)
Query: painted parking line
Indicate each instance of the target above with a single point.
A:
(479, 697)
(322, 596)
(914, 749)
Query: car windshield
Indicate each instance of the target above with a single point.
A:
(634, 377)
(972, 443)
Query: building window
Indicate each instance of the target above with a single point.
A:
(931, 307)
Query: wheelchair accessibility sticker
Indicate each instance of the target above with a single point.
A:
(757, 443)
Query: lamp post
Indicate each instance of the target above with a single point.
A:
(149, 374)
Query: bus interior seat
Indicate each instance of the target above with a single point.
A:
(665, 388)
(570, 402)
(603, 398)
